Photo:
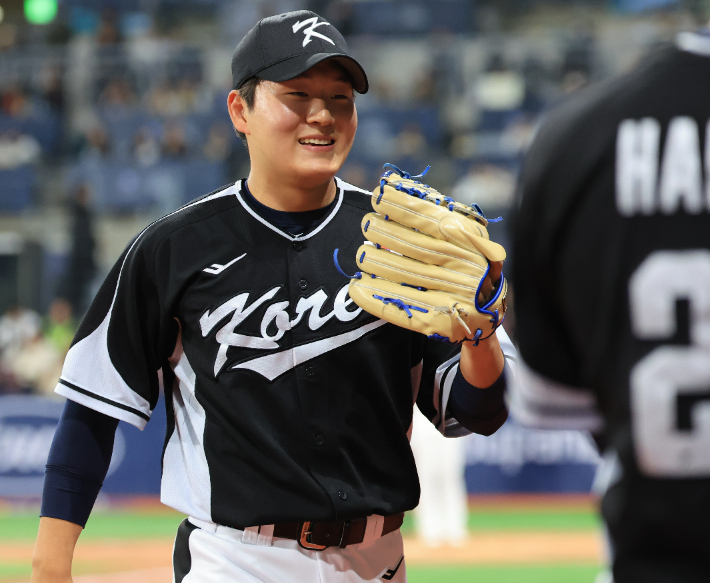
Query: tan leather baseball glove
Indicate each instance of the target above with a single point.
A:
(428, 264)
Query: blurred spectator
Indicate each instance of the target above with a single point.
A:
(36, 366)
(14, 102)
(442, 514)
(118, 95)
(425, 88)
(60, 328)
(490, 186)
(174, 143)
(537, 84)
(52, 89)
(447, 68)
(17, 326)
(171, 99)
(219, 142)
(411, 141)
(81, 267)
(107, 33)
(579, 53)
(146, 149)
(499, 88)
(578, 60)
(18, 149)
(8, 36)
(95, 143)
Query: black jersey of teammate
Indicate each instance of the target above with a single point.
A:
(612, 292)
(286, 401)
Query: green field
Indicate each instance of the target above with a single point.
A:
(102, 524)
(503, 574)
(155, 523)
(151, 524)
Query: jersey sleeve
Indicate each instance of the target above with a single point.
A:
(548, 391)
(125, 337)
(439, 366)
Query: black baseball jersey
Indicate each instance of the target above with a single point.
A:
(286, 400)
(612, 288)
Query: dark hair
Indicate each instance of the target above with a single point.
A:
(247, 92)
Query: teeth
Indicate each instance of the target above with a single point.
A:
(316, 142)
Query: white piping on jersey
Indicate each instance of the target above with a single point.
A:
(186, 484)
(347, 186)
(266, 223)
(443, 380)
(273, 365)
(691, 42)
(94, 349)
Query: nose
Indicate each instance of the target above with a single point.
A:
(319, 113)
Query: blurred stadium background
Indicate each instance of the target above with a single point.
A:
(112, 113)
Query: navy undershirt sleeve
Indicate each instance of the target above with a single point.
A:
(482, 411)
(77, 464)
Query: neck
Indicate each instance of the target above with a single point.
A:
(273, 192)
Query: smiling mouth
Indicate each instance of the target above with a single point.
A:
(316, 142)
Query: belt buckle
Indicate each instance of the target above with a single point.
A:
(305, 540)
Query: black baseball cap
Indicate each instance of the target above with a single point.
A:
(281, 47)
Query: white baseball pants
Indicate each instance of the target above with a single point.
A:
(222, 554)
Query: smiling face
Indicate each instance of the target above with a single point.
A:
(300, 130)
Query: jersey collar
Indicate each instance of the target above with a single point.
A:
(339, 200)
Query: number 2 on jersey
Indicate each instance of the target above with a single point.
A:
(670, 387)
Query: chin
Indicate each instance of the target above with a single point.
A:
(318, 171)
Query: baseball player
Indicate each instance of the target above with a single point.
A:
(612, 277)
(289, 406)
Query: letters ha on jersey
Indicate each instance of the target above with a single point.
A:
(644, 188)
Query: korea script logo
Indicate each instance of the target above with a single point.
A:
(275, 314)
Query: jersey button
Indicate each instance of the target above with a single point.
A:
(303, 284)
(298, 246)
(343, 495)
(310, 371)
(320, 440)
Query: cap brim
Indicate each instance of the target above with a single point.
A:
(299, 64)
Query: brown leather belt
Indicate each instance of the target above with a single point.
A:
(317, 536)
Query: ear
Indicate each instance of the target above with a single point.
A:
(238, 112)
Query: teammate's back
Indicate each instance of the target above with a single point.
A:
(612, 284)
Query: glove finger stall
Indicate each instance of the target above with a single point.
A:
(403, 270)
(416, 245)
(464, 230)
